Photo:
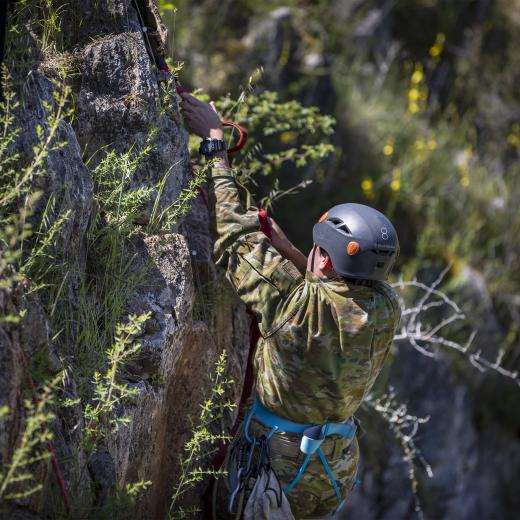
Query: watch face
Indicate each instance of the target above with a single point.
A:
(211, 146)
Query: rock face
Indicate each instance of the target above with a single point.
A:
(119, 105)
(67, 186)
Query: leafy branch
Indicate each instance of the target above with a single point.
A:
(16, 480)
(203, 441)
(100, 420)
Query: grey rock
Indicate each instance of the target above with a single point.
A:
(102, 469)
(453, 443)
(118, 98)
(119, 105)
(66, 185)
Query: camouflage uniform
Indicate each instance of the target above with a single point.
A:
(323, 344)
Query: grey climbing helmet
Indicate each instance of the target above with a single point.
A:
(361, 242)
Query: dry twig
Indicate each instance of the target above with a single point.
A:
(404, 426)
(423, 336)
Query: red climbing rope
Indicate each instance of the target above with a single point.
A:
(50, 445)
(265, 226)
(249, 378)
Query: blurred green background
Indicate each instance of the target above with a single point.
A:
(426, 101)
(425, 98)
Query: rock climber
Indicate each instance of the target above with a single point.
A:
(326, 322)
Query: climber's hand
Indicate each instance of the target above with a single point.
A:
(201, 118)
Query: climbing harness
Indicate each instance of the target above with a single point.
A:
(249, 462)
(312, 437)
(156, 53)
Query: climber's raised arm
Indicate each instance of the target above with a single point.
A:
(262, 277)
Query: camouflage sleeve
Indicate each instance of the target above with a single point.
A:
(389, 318)
(262, 278)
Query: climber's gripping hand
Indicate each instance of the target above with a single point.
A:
(201, 118)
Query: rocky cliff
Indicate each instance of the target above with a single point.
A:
(116, 104)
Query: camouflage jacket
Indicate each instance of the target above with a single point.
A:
(323, 342)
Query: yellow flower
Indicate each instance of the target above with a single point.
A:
(413, 94)
(513, 140)
(417, 76)
(437, 48)
(395, 184)
(464, 181)
(413, 107)
(287, 137)
(514, 136)
(432, 144)
(419, 145)
(367, 185)
(167, 6)
(435, 51)
(388, 149)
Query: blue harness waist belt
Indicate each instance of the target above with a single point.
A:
(312, 437)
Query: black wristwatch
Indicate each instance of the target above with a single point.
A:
(209, 147)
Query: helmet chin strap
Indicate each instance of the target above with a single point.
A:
(312, 258)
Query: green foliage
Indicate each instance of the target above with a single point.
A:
(84, 322)
(296, 136)
(16, 182)
(120, 204)
(44, 261)
(100, 419)
(18, 197)
(203, 442)
(24, 252)
(166, 5)
(16, 478)
(164, 219)
(30, 250)
(120, 505)
(33, 32)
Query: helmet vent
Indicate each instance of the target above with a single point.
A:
(340, 225)
(383, 252)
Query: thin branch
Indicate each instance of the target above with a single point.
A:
(423, 337)
(405, 427)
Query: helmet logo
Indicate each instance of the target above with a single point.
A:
(353, 248)
(324, 216)
(384, 233)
